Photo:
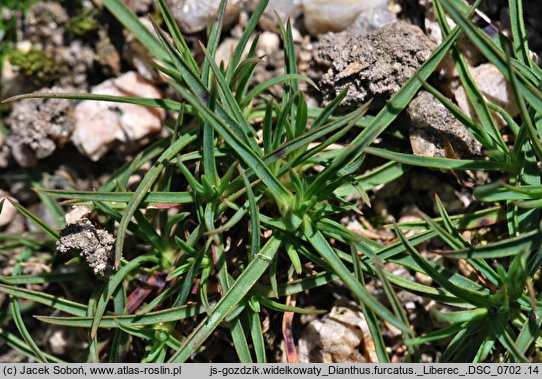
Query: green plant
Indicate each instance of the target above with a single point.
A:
(37, 64)
(82, 23)
(247, 167)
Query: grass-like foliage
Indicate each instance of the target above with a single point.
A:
(239, 210)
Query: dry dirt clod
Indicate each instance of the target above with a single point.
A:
(341, 336)
(37, 126)
(94, 245)
(45, 24)
(79, 58)
(433, 127)
(385, 60)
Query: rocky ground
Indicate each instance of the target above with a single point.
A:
(370, 47)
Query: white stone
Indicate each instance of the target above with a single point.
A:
(322, 16)
(268, 43)
(8, 210)
(76, 214)
(194, 15)
(495, 89)
(99, 124)
(286, 9)
(226, 49)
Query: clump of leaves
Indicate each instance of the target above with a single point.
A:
(257, 208)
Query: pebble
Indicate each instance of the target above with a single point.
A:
(339, 337)
(286, 9)
(77, 214)
(371, 20)
(8, 210)
(494, 87)
(268, 43)
(194, 15)
(94, 245)
(225, 50)
(433, 125)
(322, 16)
(99, 124)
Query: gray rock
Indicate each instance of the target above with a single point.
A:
(371, 20)
(37, 126)
(322, 16)
(433, 125)
(286, 9)
(373, 67)
(194, 15)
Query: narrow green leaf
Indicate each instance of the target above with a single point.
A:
(131, 22)
(36, 220)
(437, 335)
(111, 286)
(505, 248)
(144, 186)
(320, 244)
(468, 295)
(519, 34)
(151, 199)
(433, 162)
(256, 332)
(244, 152)
(227, 303)
(462, 316)
(143, 101)
(55, 302)
(254, 218)
(176, 34)
(133, 321)
(264, 86)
